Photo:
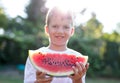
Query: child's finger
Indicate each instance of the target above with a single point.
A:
(87, 65)
(40, 75)
(79, 67)
(49, 79)
(83, 68)
(75, 70)
(38, 72)
(44, 80)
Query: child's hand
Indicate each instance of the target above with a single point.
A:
(79, 72)
(40, 78)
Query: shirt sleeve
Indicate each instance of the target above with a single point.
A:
(29, 73)
(83, 79)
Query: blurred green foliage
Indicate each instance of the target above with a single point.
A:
(22, 34)
(3, 18)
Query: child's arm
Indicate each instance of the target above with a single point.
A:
(29, 73)
(80, 70)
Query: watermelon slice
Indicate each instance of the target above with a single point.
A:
(55, 64)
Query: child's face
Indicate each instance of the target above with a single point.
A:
(59, 29)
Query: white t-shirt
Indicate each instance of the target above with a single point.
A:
(30, 71)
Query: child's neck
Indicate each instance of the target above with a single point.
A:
(57, 48)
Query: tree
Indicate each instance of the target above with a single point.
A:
(36, 11)
(3, 19)
(93, 28)
(118, 28)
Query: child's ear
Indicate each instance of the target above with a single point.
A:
(72, 31)
(46, 30)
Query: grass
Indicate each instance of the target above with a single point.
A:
(10, 75)
(102, 80)
(9, 79)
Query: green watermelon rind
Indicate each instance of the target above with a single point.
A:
(56, 74)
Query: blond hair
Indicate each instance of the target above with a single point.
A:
(69, 14)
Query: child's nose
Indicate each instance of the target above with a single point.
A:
(60, 30)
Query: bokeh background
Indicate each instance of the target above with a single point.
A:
(97, 34)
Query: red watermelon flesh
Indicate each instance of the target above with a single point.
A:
(55, 64)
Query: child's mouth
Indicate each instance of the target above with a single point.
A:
(59, 37)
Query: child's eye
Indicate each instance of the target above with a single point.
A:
(54, 26)
(66, 27)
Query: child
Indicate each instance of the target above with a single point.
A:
(59, 28)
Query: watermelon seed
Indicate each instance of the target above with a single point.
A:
(40, 53)
(65, 63)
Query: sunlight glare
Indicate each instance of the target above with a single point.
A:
(74, 5)
(106, 11)
(14, 7)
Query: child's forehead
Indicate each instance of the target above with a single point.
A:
(60, 13)
(61, 16)
(56, 13)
